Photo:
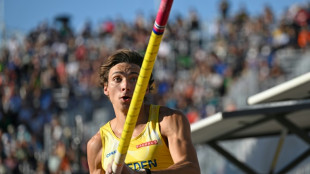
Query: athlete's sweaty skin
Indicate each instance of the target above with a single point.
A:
(174, 127)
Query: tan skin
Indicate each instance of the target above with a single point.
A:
(174, 126)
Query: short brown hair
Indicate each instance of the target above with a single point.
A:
(120, 56)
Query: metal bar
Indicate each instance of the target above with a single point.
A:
(260, 121)
(231, 158)
(278, 150)
(295, 162)
(293, 128)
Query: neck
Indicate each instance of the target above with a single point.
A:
(119, 121)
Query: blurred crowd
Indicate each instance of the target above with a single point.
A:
(52, 74)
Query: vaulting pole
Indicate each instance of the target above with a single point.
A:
(142, 83)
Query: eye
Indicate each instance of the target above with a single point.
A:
(134, 79)
(117, 79)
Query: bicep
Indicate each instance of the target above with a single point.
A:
(94, 149)
(179, 139)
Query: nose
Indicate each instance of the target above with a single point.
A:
(125, 85)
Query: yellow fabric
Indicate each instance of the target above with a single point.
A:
(148, 150)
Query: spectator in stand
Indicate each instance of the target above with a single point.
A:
(51, 59)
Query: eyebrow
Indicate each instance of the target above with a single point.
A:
(121, 72)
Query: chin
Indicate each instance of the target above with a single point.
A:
(125, 107)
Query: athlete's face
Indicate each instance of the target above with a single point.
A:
(121, 83)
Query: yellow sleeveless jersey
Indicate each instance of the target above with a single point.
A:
(148, 150)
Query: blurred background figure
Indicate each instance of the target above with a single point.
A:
(51, 101)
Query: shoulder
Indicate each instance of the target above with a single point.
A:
(171, 120)
(167, 114)
(94, 147)
(94, 142)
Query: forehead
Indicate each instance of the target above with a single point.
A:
(125, 68)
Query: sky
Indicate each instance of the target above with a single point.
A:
(24, 15)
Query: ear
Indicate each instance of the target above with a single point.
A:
(148, 90)
(105, 90)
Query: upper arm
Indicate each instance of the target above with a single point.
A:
(176, 129)
(94, 150)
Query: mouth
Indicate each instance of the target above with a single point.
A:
(126, 99)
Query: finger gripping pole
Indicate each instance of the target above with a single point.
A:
(142, 83)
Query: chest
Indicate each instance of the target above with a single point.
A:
(144, 150)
